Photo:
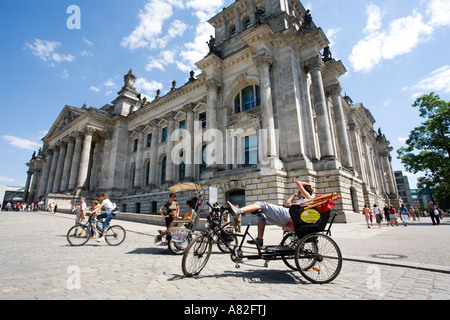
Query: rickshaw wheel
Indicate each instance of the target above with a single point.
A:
(318, 258)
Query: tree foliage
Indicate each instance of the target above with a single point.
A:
(428, 147)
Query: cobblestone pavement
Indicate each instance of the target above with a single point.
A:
(36, 262)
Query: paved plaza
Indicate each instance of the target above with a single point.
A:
(36, 262)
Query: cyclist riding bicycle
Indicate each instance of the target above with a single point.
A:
(111, 210)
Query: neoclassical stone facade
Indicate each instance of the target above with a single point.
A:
(266, 110)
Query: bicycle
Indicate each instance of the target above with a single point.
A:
(115, 235)
(317, 257)
(181, 236)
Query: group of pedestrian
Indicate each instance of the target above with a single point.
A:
(22, 207)
(391, 215)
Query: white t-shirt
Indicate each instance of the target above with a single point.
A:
(108, 205)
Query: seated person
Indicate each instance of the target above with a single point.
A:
(185, 216)
(275, 214)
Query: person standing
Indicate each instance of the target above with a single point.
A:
(417, 213)
(386, 214)
(172, 210)
(404, 214)
(81, 214)
(377, 212)
(393, 216)
(366, 213)
(434, 215)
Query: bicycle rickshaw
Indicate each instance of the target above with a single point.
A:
(309, 249)
(181, 235)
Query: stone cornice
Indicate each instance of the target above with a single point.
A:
(162, 102)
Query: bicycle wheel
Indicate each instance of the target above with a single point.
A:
(179, 247)
(115, 235)
(290, 240)
(318, 258)
(82, 235)
(196, 255)
(225, 247)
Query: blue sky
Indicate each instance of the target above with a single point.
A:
(394, 51)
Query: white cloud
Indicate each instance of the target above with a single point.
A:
(22, 143)
(65, 74)
(94, 89)
(151, 21)
(204, 6)
(7, 180)
(400, 37)
(86, 53)
(45, 50)
(147, 87)
(373, 19)
(439, 12)
(110, 84)
(331, 35)
(88, 42)
(437, 81)
(155, 20)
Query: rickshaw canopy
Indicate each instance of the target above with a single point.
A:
(188, 186)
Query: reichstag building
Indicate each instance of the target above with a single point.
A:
(266, 110)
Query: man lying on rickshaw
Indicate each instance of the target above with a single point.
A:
(278, 215)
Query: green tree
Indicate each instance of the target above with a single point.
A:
(428, 148)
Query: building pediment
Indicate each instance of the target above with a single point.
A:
(68, 115)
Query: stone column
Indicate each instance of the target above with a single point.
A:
(263, 62)
(46, 174)
(84, 161)
(75, 168)
(388, 172)
(27, 185)
(169, 162)
(59, 168)
(33, 186)
(67, 166)
(51, 178)
(213, 86)
(154, 152)
(341, 127)
(314, 66)
(139, 157)
(190, 129)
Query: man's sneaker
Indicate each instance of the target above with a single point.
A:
(234, 210)
(100, 239)
(258, 241)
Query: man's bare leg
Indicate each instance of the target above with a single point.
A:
(248, 209)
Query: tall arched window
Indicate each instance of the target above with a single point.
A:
(247, 99)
